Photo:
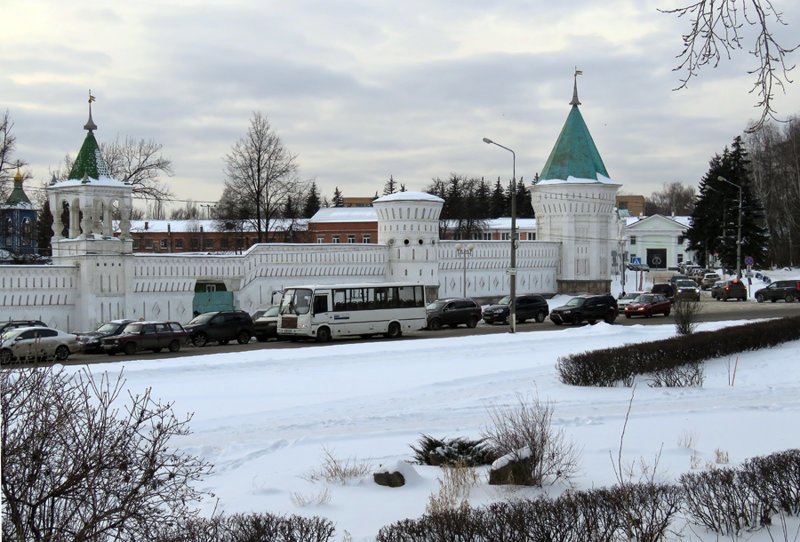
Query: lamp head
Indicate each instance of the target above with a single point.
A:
(487, 140)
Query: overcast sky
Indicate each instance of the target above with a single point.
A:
(364, 89)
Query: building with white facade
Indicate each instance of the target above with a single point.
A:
(96, 276)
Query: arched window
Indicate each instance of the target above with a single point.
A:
(27, 231)
(8, 231)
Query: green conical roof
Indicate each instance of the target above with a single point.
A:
(575, 153)
(89, 162)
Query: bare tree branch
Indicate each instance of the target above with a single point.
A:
(716, 29)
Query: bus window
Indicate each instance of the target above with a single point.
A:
(320, 304)
(296, 301)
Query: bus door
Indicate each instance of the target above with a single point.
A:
(321, 308)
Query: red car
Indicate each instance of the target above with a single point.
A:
(648, 305)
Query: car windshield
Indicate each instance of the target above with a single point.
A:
(630, 296)
(505, 301)
(108, 327)
(203, 318)
(271, 312)
(135, 327)
(296, 301)
(687, 284)
(576, 302)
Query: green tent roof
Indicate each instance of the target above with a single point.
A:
(89, 162)
(575, 153)
(18, 196)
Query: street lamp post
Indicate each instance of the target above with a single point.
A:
(465, 250)
(512, 272)
(738, 229)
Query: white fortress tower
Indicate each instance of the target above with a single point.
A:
(408, 223)
(575, 204)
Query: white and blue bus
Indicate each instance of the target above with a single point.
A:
(348, 310)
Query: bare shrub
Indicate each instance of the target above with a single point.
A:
(720, 457)
(455, 485)
(686, 313)
(687, 440)
(301, 500)
(681, 376)
(77, 466)
(525, 431)
(338, 470)
(251, 527)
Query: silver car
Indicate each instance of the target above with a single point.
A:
(37, 343)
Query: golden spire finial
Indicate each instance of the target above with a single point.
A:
(90, 125)
(18, 178)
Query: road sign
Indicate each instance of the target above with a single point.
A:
(748, 261)
(636, 261)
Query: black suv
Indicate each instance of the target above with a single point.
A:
(528, 307)
(733, 288)
(452, 312)
(141, 335)
(222, 327)
(586, 308)
(92, 341)
(788, 290)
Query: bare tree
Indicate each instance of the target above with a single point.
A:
(8, 142)
(261, 170)
(717, 28)
(76, 466)
(673, 199)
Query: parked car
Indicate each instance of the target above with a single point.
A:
(453, 312)
(13, 324)
(788, 290)
(716, 290)
(675, 278)
(266, 326)
(626, 299)
(527, 307)
(698, 274)
(648, 305)
(638, 267)
(733, 288)
(687, 289)
(708, 280)
(92, 341)
(666, 289)
(586, 308)
(221, 327)
(155, 336)
(37, 343)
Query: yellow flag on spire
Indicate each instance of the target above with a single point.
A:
(578, 72)
(91, 98)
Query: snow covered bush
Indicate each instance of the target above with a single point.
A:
(525, 433)
(453, 451)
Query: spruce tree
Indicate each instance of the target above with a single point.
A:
(715, 220)
(390, 187)
(312, 204)
(498, 205)
(338, 199)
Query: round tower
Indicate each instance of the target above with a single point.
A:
(408, 223)
(574, 201)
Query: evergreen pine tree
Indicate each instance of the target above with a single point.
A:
(497, 205)
(312, 204)
(338, 199)
(45, 232)
(715, 220)
(390, 187)
(524, 206)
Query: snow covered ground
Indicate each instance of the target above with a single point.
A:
(265, 418)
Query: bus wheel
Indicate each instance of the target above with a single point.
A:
(323, 335)
(394, 330)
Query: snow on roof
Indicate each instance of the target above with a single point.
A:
(409, 196)
(104, 180)
(175, 226)
(345, 214)
(601, 179)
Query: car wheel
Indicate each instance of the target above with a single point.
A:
(174, 346)
(5, 357)
(201, 339)
(243, 337)
(62, 352)
(435, 324)
(323, 335)
(760, 298)
(789, 298)
(610, 317)
(540, 316)
(130, 348)
(472, 322)
(394, 331)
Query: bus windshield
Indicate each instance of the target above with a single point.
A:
(296, 301)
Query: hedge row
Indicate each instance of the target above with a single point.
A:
(249, 528)
(610, 366)
(725, 501)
